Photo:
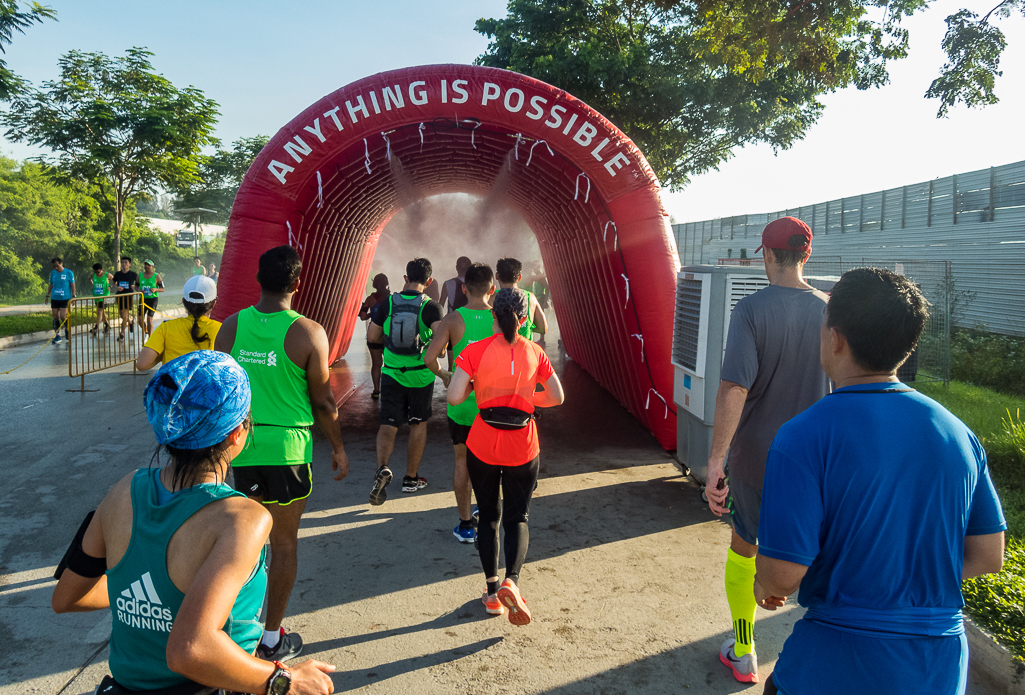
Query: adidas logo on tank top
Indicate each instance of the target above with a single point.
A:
(139, 606)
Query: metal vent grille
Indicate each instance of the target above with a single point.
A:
(741, 287)
(685, 326)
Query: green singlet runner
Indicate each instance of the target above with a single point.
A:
(101, 287)
(282, 415)
(527, 329)
(416, 373)
(477, 325)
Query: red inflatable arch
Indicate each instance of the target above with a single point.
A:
(324, 184)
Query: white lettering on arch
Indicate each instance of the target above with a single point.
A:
(585, 135)
(333, 115)
(298, 148)
(457, 87)
(518, 93)
(491, 92)
(536, 112)
(391, 97)
(418, 96)
(618, 161)
(315, 129)
(360, 106)
(556, 120)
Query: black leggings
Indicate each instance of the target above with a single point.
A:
(517, 486)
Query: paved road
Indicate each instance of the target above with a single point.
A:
(624, 571)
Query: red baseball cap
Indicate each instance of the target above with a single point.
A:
(777, 234)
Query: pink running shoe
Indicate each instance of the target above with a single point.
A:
(509, 595)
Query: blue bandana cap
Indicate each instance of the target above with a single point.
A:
(197, 400)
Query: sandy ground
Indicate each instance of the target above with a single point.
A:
(623, 575)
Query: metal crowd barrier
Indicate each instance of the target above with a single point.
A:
(93, 346)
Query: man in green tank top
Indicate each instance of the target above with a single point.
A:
(405, 324)
(286, 358)
(459, 328)
(150, 283)
(101, 288)
(508, 272)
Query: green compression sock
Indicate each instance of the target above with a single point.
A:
(740, 582)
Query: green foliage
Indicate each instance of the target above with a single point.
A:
(220, 176)
(117, 125)
(13, 19)
(987, 359)
(691, 80)
(973, 47)
(35, 322)
(997, 601)
(40, 219)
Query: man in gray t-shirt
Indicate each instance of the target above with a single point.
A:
(770, 373)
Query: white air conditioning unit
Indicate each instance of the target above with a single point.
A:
(705, 297)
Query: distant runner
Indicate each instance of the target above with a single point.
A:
(502, 449)
(60, 291)
(126, 281)
(101, 280)
(460, 328)
(381, 294)
(178, 337)
(406, 324)
(151, 283)
(509, 272)
(198, 268)
(451, 296)
(285, 356)
(213, 272)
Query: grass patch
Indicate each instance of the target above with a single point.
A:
(996, 601)
(31, 323)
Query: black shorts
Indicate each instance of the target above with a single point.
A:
(126, 303)
(150, 305)
(375, 346)
(459, 433)
(401, 404)
(59, 303)
(274, 484)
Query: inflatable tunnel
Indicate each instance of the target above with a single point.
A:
(327, 184)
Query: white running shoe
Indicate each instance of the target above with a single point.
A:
(745, 668)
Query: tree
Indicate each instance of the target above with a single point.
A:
(220, 176)
(11, 20)
(116, 124)
(691, 80)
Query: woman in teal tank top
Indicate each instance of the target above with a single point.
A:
(185, 571)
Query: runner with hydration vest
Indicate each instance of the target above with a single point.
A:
(502, 448)
(405, 324)
(460, 328)
(509, 271)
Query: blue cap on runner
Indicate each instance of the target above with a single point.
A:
(196, 400)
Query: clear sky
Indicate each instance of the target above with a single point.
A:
(264, 62)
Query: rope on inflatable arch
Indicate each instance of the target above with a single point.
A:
(444, 124)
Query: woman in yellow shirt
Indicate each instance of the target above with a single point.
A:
(178, 337)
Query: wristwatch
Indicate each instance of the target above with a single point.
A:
(280, 681)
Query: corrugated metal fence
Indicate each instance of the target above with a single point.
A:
(975, 220)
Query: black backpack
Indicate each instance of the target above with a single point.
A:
(403, 336)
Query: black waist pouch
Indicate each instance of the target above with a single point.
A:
(109, 686)
(503, 418)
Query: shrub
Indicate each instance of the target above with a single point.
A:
(990, 360)
(997, 601)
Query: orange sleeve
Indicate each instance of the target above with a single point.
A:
(544, 366)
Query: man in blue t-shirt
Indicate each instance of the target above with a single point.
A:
(877, 503)
(60, 291)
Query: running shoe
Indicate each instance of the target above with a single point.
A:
(56, 340)
(463, 534)
(509, 595)
(378, 494)
(491, 604)
(413, 484)
(745, 668)
(290, 645)
(121, 336)
(375, 395)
